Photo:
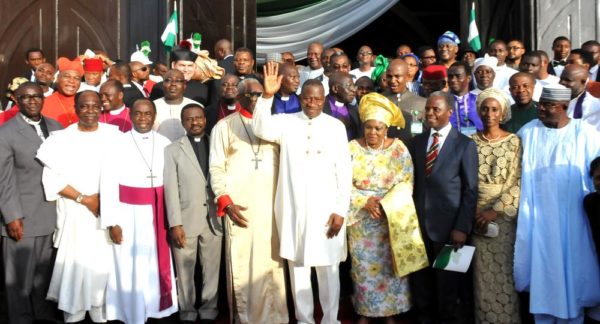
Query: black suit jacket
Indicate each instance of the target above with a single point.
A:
(131, 93)
(447, 199)
(355, 124)
(227, 64)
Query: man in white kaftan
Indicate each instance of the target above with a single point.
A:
(555, 258)
(73, 160)
(141, 282)
(313, 192)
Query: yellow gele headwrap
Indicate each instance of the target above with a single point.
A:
(376, 106)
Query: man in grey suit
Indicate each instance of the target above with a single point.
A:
(446, 189)
(29, 220)
(407, 101)
(191, 212)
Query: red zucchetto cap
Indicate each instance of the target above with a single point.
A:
(64, 64)
(93, 65)
(435, 72)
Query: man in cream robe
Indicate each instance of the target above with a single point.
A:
(73, 160)
(243, 172)
(313, 192)
(141, 283)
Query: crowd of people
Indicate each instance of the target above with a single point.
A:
(124, 183)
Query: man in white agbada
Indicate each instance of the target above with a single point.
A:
(168, 108)
(73, 160)
(555, 259)
(313, 192)
(141, 282)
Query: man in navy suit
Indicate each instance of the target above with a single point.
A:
(445, 167)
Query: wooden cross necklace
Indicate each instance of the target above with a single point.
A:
(149, 166)
(256, 159)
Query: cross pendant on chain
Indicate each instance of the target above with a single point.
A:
(256, 160)
(151, 177)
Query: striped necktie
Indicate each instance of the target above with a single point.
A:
(432, 153)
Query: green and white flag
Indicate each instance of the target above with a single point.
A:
(474, 40)
(169, 36)
(451, 260)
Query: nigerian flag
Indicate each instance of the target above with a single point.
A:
(169, 36)
(474, 40)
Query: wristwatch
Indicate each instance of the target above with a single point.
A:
(79, 198)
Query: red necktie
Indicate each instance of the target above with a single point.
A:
(432, 153)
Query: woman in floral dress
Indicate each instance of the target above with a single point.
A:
(496, 300)
(383, 230)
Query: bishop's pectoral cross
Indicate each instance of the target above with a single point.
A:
(151, 177)
(256, 160)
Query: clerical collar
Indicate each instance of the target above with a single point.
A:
(338, 104)
(142, 136)
(30, 121)
(117, 111)
(285, 98)
(196, 139)
(245, 112)
(231, 107)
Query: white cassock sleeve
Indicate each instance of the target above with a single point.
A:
(266, 126)
(219, 145)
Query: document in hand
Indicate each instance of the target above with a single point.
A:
(451, 260)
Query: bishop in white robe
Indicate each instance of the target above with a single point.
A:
(313, 192)
(142, 281)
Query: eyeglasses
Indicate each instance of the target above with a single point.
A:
(176, 81)
(365, 53)
(143, 69)
(550, 105)
(31, 97)
(252, 94)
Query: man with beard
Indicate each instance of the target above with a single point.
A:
(44, 76)
(339, 103)
(114, 111)
(227, 103)
(168, 108)
(516, 50)
(183, 61)
(286, 100)
(448, 48)
(60, 106)
(28, 219)
(243, 174)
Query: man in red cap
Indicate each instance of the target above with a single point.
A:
(60, 105)
(92, 74)
(435, 78)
